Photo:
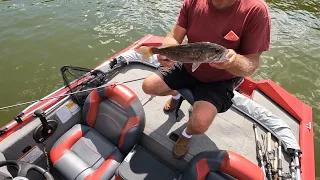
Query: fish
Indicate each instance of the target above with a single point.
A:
(195, 53)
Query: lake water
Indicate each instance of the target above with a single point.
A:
(38, 37)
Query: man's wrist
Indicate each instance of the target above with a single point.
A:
(169, 40)
(242, 65)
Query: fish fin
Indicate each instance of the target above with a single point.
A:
(195, 66)
(145, 52)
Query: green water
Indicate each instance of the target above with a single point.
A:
(38, 37)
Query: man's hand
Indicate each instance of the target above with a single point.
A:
(169, 41)
(239, 65)
(174, 37)
(231, 55)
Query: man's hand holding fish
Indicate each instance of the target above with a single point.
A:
(231, 56)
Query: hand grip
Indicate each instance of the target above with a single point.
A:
(41, 115)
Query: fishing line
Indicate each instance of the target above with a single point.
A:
(68, 94)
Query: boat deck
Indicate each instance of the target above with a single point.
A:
(229, 131)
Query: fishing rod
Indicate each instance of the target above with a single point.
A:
(267, 154)
(68, 94)
(259, 149)
(280, 143)
(296, 155)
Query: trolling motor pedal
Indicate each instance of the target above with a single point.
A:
(45, 129)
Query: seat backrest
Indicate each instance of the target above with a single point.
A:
(116, 113)
(221, 165)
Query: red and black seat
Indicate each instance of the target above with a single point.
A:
(114, 121)
(221, 165)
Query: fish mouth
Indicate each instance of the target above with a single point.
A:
(223, 57)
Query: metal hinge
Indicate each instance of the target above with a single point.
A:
(309, 126)
(3, 131)
(18, 117)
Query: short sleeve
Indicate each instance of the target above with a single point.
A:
(182, 19)
(256, 37)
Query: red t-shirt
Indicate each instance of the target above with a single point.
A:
(243, 27)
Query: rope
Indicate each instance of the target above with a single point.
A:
(68, 94)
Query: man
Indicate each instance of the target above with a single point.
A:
(243, 26)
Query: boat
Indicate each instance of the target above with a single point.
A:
(103, 126)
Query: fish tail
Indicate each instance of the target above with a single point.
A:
(145, 51)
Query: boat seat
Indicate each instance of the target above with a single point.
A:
(221, 164)
(186, 94)
(140, 164)
(113, 122)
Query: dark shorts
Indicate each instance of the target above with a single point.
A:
(218, 93)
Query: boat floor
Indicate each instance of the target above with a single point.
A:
(229, 131)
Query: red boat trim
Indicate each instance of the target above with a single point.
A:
(247, 87)
(145, 41)
(307, 145)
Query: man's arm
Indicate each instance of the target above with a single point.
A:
(178, 31)
(176, 36)
(240, 65)
(245, 65)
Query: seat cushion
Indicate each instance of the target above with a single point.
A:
(221, 164)
(83, 153)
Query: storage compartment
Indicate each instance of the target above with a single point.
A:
(141, 164)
